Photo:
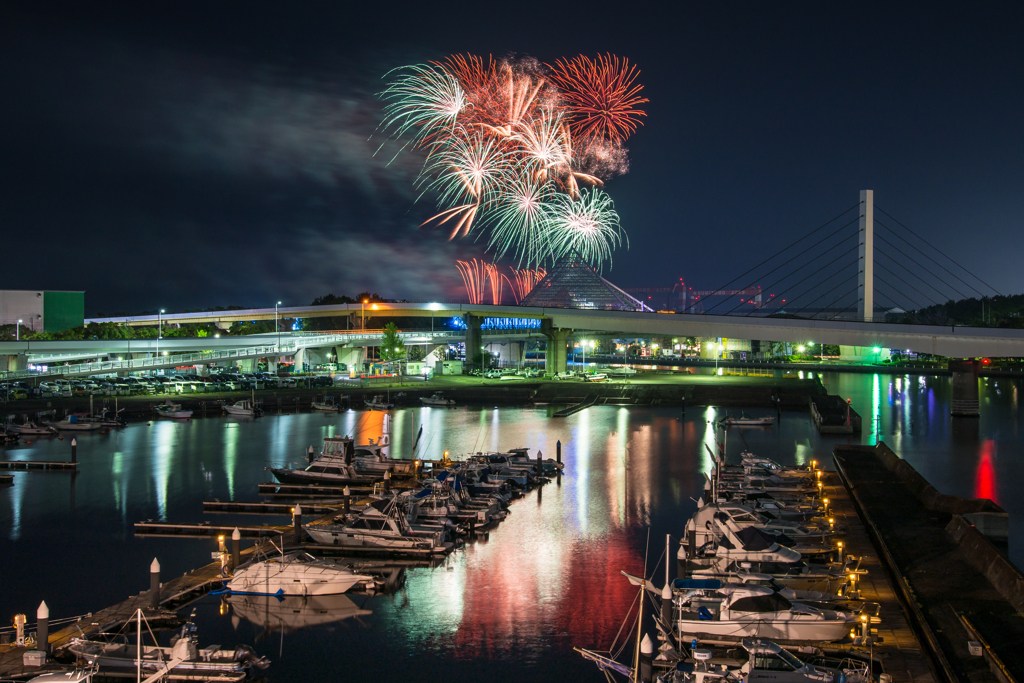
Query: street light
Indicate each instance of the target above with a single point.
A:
(362, 307)
(159, 329)
(17, 331)
(277, 326)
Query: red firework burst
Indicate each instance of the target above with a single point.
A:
(600, 96)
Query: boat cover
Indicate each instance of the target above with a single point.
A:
(754, 539)
(696, 584)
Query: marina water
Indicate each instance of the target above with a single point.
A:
(512, 604)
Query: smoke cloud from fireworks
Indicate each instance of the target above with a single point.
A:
(518, 152)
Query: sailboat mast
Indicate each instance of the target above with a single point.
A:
(639, 630)
(138, 645)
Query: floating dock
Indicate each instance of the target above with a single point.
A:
(37, 465)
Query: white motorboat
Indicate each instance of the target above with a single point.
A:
(244, 408)
(379, 403)
(294, 574)
(73, 424)
(326, 404)
(31, 429)
(753, 550)
(744, 420)
(291, 613)
(172, 410)
(767, 663)
(437, 399)
(183, 658)
(620, 371)
(710, 519)
(705, 608)
(381, 528)
(81, 675)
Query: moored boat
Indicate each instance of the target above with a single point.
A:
(379, 403)
(243, 408)
(31, 429)
(294, 574)
(437, 399)
(172, 410)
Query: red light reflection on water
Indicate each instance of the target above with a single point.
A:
(985, 474)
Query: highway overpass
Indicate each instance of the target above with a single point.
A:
(953, 342)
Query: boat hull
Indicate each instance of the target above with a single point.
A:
(789, 630)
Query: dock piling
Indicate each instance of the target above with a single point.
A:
(74, 449)
(309, 454)
(297, 522)
(540, 463)
(236, 548)
(387, 482)
(43, 628)
(154, 584)
(347, 499)
(558, 451)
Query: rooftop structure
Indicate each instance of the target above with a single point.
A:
(573, 283)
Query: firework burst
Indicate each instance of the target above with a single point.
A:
(587, 225)
(601, 95)
(515, 151)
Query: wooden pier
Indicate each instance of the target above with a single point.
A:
(898, 649)
(233, 507)
(205, 530)
(173, 595)
(309, 490)
(37, 465)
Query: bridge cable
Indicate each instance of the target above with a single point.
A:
(940, 251)
(857, 301)
(816, 244)
(907, 296)
(777, 254)
(789, 288)
(880, 265)
(911, 258)
(822, 282)
(840, 284)
(843, 255)
(882, 294)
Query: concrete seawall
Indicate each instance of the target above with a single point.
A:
(954, 580)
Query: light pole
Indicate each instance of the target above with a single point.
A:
(362, 307)
(159, 330)
(277, 326)
(17, 331)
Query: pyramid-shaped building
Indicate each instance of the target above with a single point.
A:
(573, 283)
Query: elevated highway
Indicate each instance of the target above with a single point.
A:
(953, 342)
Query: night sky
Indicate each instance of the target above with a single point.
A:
(180, 155)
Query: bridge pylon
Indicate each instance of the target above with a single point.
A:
(866, 252)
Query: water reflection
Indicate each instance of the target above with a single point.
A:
(272, 614)
(547, 579)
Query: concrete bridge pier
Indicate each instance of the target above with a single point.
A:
(964, 402)
(14, 363)
(474, 340)
(351, 356)
(554, 355)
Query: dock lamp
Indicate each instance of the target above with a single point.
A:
(17, 331)
(840, 544)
